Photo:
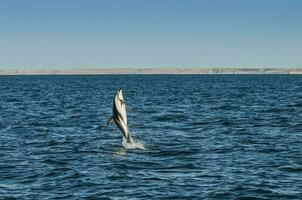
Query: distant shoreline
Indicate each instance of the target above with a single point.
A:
(172, 70)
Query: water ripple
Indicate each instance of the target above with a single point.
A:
(207, 137)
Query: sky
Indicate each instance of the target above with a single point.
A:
(64, 34)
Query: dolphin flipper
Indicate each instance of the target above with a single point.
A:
(110, 120)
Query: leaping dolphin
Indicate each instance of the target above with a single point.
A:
(119, 115)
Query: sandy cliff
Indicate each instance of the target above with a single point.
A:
(166, 70)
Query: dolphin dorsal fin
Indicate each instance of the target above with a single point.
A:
(110, 120)
(127, 108)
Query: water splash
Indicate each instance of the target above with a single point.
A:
(134, 144)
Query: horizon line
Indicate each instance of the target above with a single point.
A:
(27, 67)
(154, 70)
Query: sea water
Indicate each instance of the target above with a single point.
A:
(204, 136)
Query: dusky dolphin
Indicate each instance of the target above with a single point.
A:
(119, 115)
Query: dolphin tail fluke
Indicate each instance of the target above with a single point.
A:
(129, 139)
(110, 120)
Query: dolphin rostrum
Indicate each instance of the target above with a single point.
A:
(119, 115)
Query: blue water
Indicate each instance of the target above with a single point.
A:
(207, 136)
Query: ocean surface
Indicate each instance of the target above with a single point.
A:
(206, 137)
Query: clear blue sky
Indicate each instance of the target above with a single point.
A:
(46, 34)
